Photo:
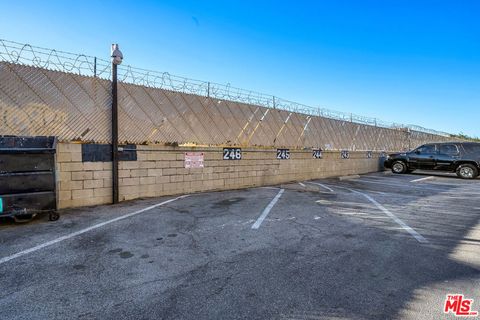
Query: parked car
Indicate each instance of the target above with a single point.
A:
(463, 158)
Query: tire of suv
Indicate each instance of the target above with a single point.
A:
(467, 171)
(399, 167)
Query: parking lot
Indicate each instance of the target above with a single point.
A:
(379, 246)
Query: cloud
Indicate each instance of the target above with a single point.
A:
(195, 20)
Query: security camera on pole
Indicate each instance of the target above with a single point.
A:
(117, 58)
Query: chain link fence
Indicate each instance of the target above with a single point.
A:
(50, 92)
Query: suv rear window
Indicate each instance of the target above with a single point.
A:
(472, 148)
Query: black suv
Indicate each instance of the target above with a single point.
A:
(460, 157)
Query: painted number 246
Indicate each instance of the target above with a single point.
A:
(232, 154)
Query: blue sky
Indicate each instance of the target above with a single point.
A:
(403, 61)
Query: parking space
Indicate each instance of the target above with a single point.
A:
(382, 246)
(439, 207)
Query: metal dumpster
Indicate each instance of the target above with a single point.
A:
(27, 177)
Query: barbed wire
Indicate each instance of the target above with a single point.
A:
(52, 59)
(81, 64)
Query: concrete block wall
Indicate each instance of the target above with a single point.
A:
(81, 183)
(159, 171)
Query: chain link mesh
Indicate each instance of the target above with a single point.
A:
(49, 92)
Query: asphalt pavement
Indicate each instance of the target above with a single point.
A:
(381, 246)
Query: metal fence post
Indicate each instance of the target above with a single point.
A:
(409, 139)
(114, 134)
(117, 58)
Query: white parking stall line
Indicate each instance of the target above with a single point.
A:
(376, 182)
(423, 179)
(302, 184)
(398, 184)
(402, 224)
(266, 211)
(80, 232)
(323, 186)
(395, 179)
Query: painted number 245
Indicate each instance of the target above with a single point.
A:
(283, 154)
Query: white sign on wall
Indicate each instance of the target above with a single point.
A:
(193, 160)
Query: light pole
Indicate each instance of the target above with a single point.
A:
(117, 58)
